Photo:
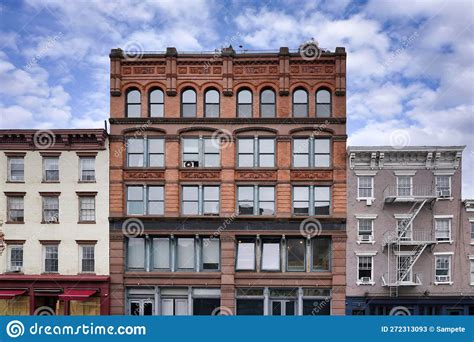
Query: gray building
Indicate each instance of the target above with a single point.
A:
(410, 246)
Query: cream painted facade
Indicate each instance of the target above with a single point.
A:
(68, 230)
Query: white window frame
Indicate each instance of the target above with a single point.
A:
(450, 267)
(201, 152)
(450, 180)
(141, 305)
(81, 169)
(359, 198)
(44, 257)
(369, 255)
(9, 261)
(450, 224)
(371, 218)
(471, 267)
(401, 217)
(411, 185)
(9, 167)
(471, 230)
(81, 256)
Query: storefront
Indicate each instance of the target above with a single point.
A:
(54, 295)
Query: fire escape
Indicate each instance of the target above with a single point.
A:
(405, 245)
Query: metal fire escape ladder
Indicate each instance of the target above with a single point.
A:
(395, 243)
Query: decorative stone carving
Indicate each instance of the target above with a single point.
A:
(160, 70)
(251, 175)
(199, 70)
(295, 69)
(310, 175)
(217, 70)
(126, 70)
(182, 70)
(198, 174)
(144, 70)
(139, 175)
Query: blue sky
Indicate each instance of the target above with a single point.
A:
(410, 63)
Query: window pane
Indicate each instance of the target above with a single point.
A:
(266, 160)
(212, 110)
(161, 253)
(245, 160)
(156, 110)
(189, 110)
(136, 253)
(245, 96)
(156, 96)
(245, 255)
(156, 145)
(316, 307)
(266, 146)
(245, 193)
(266, 193)
(133, 96)
(210, 254)
(323, 110)
(186, 253)
(296, 251)
(245, 145)
(135, 145)
(189, 96)
(250, 307)
(321, 251)
(271, 256)
(300, 96)
(321, 200)
(133, 110)
(212, 96)
(244, 111)
(300, 110)
(205, 306)
(267, 110)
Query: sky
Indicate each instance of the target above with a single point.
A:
(409, 67)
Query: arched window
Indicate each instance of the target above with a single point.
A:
(244, 103)
(300, 103)
(156, 103)
(323, 103)
(188, 103)
(212, 101)
(133, 103)
(267, 104)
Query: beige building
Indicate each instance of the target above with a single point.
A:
(54, 208)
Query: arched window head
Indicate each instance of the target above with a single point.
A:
(267, 104)
(133, 103)
(244, 103)
(212, 102)
(188, 103)
(323, 103)
(300, 103)
(156, 103)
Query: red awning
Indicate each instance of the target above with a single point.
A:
(74, 294)
(9, 294)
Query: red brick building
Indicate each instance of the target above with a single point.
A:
(228, 183)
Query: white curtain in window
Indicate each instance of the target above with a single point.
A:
(271, 256)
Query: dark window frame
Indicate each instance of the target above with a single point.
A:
(182, 103)
(128, 103)
(320, 104)
(274, 103)
(150, 103)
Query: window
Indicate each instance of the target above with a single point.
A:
(212, 103)
(87, 258)
(15, 257)
(174, 306)
(472, 230)
(323, 103)
(471, 262)
(15, 208)
(50, 169)
(16, 169)
(201, 152)
(321, 253)
(364, 269)
(133, 104)
(245, 255)
(141, 307)
(316, 302)
(86, 209)
(443, 268)
(210, 254)
(205, 306)
(256, 152)
(311, 152)
(267, 104)
(188, 103)
(296, 254)
(404, 186)
(405, 229)
(365, 187)
(244, 104)
(200, 200)
(87, 169)
(443, 186)
(50, 209)
(50, 258)
(185, 251)
(250, 302)
(156, 103)
(311, 200)
(443, 229)
(300, 103)
(136, 253)
(365, 230)
(256, 200)
(148, 152)
(271, 255)
(161, 253)
(152, 196)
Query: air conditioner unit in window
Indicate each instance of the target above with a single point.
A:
(365, 238)
(442, 278)
(369, 201)
(443, 193)
(365, 279)
(191, 163)
(16, 269)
